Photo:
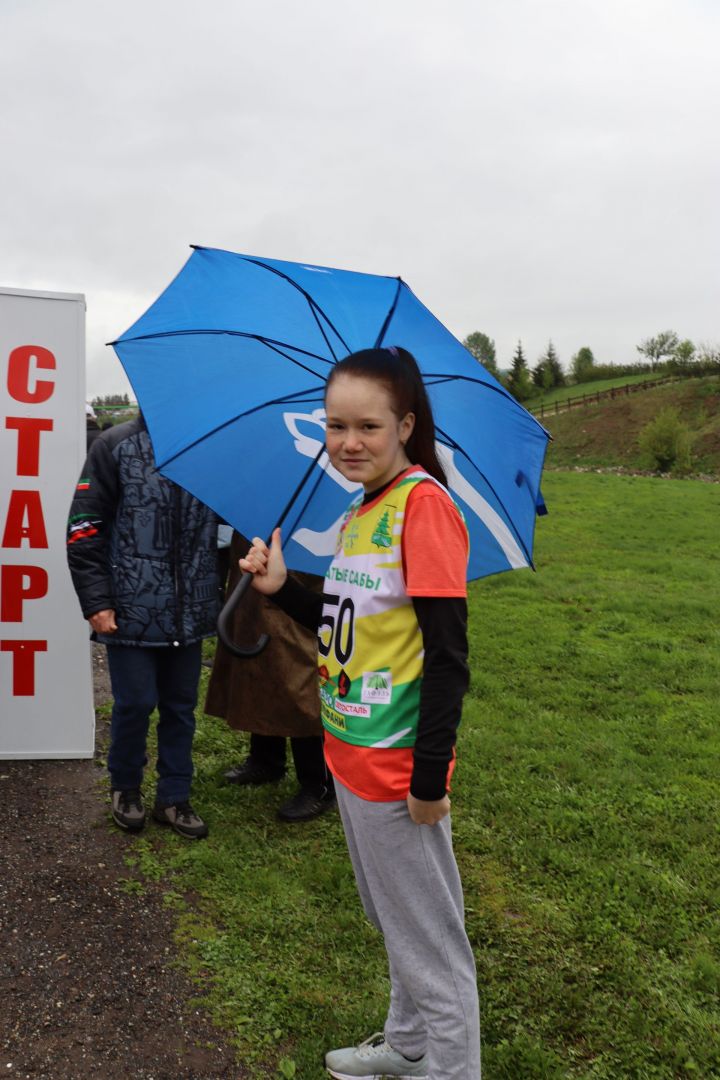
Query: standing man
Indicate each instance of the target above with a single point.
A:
(143, 558)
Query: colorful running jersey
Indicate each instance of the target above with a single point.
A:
(370, 646)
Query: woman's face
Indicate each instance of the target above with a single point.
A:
(365, 439)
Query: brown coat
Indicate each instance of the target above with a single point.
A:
(275, 693)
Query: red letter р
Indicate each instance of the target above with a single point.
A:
(22, 503)
(18, 381)
(23, 664)
(28, 447)
(13, 592)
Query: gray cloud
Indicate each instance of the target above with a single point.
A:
(531, 170)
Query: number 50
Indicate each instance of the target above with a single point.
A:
(341, 638)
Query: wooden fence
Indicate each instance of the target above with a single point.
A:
(582, 400)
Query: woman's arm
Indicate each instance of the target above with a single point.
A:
(435, 551)
(300, 603)
(443, 624)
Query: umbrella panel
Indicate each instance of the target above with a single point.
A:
(224, 291)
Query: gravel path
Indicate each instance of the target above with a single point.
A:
(88, 983)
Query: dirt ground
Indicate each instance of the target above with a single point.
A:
(88, 983)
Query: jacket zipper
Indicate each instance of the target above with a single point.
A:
(179, 607)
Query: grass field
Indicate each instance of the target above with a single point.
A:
(586, 812)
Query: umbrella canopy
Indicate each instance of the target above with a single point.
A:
(229, 367)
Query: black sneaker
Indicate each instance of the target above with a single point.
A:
(306, 805)
(183, 819)
(128, 810)
(249, 772)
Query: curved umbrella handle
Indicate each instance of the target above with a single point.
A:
(225, 616)
(223, 623)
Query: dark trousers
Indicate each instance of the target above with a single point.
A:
(308, 757)
(142, 679)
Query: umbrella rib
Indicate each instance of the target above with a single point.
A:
(297, 491)
(321, 328)
(313, 304)
(276, 346)
(309, 499)
(448, 441)
(220, 333)
(444, 376)
(441, 377)
(391, 312)
(279, 350)
(300, 396)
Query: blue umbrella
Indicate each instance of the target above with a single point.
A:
(229, 366)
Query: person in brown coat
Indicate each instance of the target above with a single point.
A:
(274, 696)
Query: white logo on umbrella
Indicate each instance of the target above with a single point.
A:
(323, 543)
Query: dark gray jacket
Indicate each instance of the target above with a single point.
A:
(141, 545)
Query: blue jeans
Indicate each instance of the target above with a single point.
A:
(143, 678)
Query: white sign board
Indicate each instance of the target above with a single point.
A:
(46, 701)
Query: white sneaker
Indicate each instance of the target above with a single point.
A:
(374, 1059)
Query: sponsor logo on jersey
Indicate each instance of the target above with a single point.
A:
(331, 716)
(376, 688)
(352, 708)
(383, 531)
(350, 535)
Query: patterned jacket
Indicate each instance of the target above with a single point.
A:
(142, 546)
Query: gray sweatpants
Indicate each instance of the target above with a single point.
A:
(410, 889)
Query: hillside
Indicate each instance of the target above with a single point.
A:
(605, 435)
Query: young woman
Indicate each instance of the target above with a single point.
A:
(393, 671)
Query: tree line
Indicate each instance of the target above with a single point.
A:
(110, 401)
(665, 351)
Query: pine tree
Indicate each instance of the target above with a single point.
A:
(519, 362)
(549, 372)
(519, 383)
(541, 375)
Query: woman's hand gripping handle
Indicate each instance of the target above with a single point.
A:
(266, 564)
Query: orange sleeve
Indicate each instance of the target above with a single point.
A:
(434, 544)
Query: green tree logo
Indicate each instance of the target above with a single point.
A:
(382, 536)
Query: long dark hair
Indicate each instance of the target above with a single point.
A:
(397, 370)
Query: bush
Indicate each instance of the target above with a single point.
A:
(666, 442)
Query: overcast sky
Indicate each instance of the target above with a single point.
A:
(532, 170)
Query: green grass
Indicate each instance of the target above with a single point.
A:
(585, 809)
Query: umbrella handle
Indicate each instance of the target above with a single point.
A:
(223, 623)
